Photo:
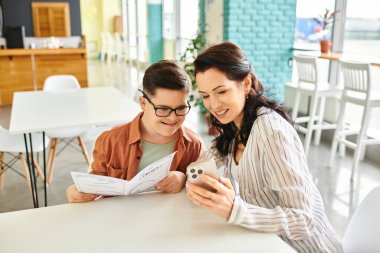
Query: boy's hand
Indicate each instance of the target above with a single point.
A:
(73, 196)
(172, 183)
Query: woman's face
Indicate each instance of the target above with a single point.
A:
(224, 98)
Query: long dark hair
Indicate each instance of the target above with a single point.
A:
(232, 61)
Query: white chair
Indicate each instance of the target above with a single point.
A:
(63, 83)
(111, 47)
(103, 51)
(119, 47)
(362, 233)
(14, 144)
(357, 90)
(309, 85)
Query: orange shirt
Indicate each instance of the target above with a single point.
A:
(117, 152)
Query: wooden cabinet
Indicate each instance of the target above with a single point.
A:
(15, 75)
(51, 19)
(17, 72)
(69, 64)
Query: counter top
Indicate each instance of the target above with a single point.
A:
(373, 60)
(42, 51)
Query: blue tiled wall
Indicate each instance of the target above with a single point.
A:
(155, 39)
(265, 30)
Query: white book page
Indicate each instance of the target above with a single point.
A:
(144, 181)
(102, 185)
(150, 176)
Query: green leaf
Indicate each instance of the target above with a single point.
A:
(196, 46)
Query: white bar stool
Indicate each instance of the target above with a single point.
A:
(309, 85)
(357, 90)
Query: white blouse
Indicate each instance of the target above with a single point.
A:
(275, 191)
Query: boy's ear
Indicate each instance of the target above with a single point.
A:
(142, 102)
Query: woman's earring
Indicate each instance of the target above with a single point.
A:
(246, 97)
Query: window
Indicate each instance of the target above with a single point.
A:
(362, 28)
(307, 32)
(187, 23)
(362, 37)
(135, 20)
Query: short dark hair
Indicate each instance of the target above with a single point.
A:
(165, 74)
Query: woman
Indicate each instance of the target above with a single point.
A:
(268, 186)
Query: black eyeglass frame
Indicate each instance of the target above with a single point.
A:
(166, 108)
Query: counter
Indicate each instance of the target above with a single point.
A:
(27, 69)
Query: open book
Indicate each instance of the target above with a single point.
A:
(146, 180)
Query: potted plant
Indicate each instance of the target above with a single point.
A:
(325, 21)
(196, 46)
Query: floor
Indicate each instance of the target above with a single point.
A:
(339, 195)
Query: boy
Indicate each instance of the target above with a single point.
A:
(156, 132)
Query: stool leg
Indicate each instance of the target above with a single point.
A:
(296, 105)
(360, 141)
(310, 124)
(337, 133)
(321, 114)
(342, 147)
(362, 153)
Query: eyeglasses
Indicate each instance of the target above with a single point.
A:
(165, 112)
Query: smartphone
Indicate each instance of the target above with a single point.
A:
(207, 167)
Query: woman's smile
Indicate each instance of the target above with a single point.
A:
(221, 113)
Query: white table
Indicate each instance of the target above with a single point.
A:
(38, 111)
(153, 222)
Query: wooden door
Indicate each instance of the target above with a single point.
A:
(51, 19)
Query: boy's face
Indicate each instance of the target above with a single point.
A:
(164, 99)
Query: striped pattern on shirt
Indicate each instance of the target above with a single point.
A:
(275, 192)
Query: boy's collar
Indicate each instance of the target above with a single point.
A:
(134, 133)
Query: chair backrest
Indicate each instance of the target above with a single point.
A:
(362, 233)
(61, 83)
(10, 142)
(4, 136)
(356, 76)
(14, 143)
(307, 69)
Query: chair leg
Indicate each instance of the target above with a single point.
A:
(337, 133)
(360, 141)
(26, 171)
(321, 114)
(39, 171)
(50, 151)
(310, 124)
(296, 105)
(53, 146)
(1, 170)
(84, 150)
